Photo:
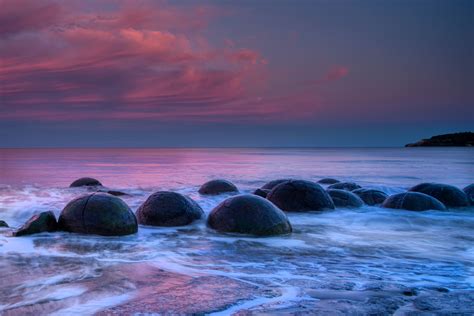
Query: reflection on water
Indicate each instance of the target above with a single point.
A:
(368, 260)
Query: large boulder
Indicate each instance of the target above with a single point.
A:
(270, 185)
(371, 196)
(3, 224)
(249, 214)
(343, 198)
(300, 196)
(217, 186)
(261, 192)
(469, 190)
(165, 208)
(39, 223)
(328, 181)
(85, 182)
(413, 201)
(348, 186)
(449, 195)
(98, 214)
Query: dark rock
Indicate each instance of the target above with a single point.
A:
(115, 193)
(300, 196)
(270, 185)
(99, 214)
(249, 214)
(261, 192)
(217, 187)
(3, 224)
(168, 209)
(371, 196)
(465, 139)
(342, 198)
(449, 195)
(348, 186)
(39, 223)
(413, 201)
(469, 190)
(85, 182)
(328, 181)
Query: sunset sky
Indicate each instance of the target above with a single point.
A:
(234, 73)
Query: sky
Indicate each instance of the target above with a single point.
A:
(260, 73)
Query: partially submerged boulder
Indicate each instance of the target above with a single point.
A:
(261, 192)
(39, 223)
(343, 198)
(469, 190)
(348, 186)
(449, 195)
(166, 208)
(99, 214)
(86, 181)
(3, 224)
(413, 201)
(270, 185)
(217, 186)
(300, 196)
(249, 214)
(371, 196)
(328, 181)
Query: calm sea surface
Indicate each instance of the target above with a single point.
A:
(368, 260)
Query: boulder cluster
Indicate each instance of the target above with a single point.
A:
(260, 214)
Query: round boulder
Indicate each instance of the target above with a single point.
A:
(371, 196)
(85, 182)
(261, 192)
(165, 208)
(469, 190)
(218, 186)
(300, 196)
(270, 185)
(413, 201)
(342, 198)
(348, 186)
(328, 181)
(98, 214)
(447, 194)
(249, 214)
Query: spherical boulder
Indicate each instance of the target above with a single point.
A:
(447, 194)
(371, 196)
(413, 201)
(249, 214)
(348, 186)
(165, 208)
(469, 190)
(270, 185)
(300, 196)
(261, 192)
(85, 182)
(343, 198)
(98, 214)
(328, 181)
(217, 186)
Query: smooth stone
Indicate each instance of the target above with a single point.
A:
(249, 214)
(413, 201)
(469, 190)
(343, 198)
(261, 192)
(165, 208)
(328, 181)
(38, 223)
(449, 195)
(3, 224)
(348, 186)
(270, 185)
(98, 214)
(371, 196)
(85, 182)
(217, 186)
(300, 196)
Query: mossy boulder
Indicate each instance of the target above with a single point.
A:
(81, 182)
(348, 186)
(371, 196)
(217, 186)
(343, 198)
(300, 196)
(98, 214)
(449, 195)
(249, 214)
(166, 208)
(413, 201)
(38, 223)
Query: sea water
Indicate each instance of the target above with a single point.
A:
(347, 261)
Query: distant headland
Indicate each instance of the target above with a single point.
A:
(464, 139)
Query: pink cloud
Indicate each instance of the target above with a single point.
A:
(333, 74)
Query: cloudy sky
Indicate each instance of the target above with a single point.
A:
(234, 73)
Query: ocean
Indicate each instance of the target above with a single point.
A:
(347, 261)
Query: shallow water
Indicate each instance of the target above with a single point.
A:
(369, 260)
